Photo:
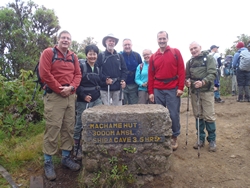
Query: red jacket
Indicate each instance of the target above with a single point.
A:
(166, 66)
(60, 72)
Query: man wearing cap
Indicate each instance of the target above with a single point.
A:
(242, 85)
(113, 72)
(217, 57)
(132, 59)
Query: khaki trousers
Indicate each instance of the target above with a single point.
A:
(59, 114)
(206, 106)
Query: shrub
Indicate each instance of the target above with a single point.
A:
(17, 109)
(225, 85)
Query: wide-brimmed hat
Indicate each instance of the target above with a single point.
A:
(109, 36)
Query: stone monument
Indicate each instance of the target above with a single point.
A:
(127, 145)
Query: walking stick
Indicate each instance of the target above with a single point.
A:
(187, 114)
(198, 120)
(108, 94)
(120, 94)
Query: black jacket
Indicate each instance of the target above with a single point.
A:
(112, 66)
(90, 84)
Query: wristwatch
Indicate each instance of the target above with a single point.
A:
(72, 88)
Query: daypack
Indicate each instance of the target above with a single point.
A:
(204, 64)
(244, 60)
(105, 58)
(141, 67)
(167, 80)
(227, 66)
(172, 51)
(83, 67)
(36, 70)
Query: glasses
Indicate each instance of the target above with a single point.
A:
(144, 55)
(65, 38)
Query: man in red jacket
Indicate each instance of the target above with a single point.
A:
(166, 77)
(62, 76)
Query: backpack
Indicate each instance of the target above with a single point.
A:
(227, 65)
(36, 70)
(141, 67)
(83, 67)
(204, 64)
(168, 79)
(105, 58)
(244, 64)
(172, 51)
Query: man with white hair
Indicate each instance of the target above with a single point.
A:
(113, 72)
(200, 75)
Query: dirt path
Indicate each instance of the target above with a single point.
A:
(229, 167)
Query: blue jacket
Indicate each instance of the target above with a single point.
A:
(235, 62)
(133, 59)
(141, 76)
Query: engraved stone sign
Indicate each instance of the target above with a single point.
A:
(136, 138)
(118, 132)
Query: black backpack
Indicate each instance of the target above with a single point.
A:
(83, 67)
(36, 70)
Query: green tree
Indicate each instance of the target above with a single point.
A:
(79, 48)
(25, 31)
(243, 38)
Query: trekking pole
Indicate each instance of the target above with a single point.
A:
(187, 114)
(120, 94)
(108, 94)
(198, 120)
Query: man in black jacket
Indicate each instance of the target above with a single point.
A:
(113, 72)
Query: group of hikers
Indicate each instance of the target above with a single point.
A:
(122, 78)
(238, 68)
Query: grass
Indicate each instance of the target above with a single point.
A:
(19, 153)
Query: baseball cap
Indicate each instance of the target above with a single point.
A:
(213, 46)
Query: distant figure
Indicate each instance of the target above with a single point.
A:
(141, 77)
(132, 59)
(241, 64)
(62, 77)
(230, 71)
(166, 77)
(200, 75)
(113, 72)
(217, 57)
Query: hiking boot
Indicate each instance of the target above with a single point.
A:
(77, 154)
(240, 98)
(49, 170)
(246, 98)
(202, 144)
(212, 146)
(233, 93)
(219, 100)
(174, 143)
(69, 163)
